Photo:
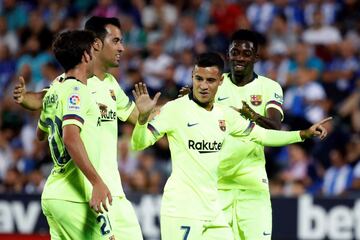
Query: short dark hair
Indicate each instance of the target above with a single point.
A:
(210, 59)
(246, 35)
(97, 25)
(69, 47)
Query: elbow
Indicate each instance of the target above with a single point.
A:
(40, 135)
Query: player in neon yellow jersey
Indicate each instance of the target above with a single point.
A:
(196, 129)
(113, 104)
(70, 120)
(243, 182)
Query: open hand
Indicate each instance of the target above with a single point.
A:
(316, 130)
(247, 112)
(19, 90)
(143, 101)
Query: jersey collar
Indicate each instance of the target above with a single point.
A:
(192, 98)
(254, 77)
(69, 78)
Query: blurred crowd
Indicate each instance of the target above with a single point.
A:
(311, 47)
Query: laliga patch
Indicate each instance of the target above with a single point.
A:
(112, 94)
(74, 102)
(256, 100)
(222, 125)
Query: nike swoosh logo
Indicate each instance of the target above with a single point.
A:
(266, 234)
(93, 92)
(220, 98)
(192, 124)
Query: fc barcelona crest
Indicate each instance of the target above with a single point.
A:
(112, 94)
(256, 100)
(222, 125)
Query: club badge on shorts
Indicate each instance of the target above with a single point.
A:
(256, 100)
(112, 94)
(222, 125)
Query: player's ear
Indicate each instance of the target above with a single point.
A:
(221, 79)
(98, 44)
(86, 57)
(227, 55)
(256, 56)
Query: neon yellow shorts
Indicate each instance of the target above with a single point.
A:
(176, 228)
(124, 221)
(72, 220)
(248, 213)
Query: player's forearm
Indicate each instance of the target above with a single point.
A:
(274, 138)
(133, 116)
(32, 100)
(141, 137)
(268, 123)
(75, 147)
(143, 118)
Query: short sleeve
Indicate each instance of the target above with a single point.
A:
(124, 105)
(163, 122)
(75, 105)
(275, 98)
(42, 122)
(238, 126)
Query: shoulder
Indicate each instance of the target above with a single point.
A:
(268, 81)
(73, 88)
(112, 82)
(226, 78)
(110, 78)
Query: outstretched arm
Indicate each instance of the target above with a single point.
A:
(28, 100)
(274, 138)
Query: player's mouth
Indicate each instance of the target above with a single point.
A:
(204, 94)
(118, 57)
(239, 66)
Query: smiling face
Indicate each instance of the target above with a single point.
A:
(242, 57)
(206, 81)
(113, 47)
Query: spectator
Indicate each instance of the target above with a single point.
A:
(338, 178)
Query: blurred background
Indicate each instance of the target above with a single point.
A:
(311, 47)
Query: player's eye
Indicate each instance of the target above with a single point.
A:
(234, 52)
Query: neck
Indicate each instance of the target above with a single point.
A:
(242, 80)
(100, 69)
(208, 106)
(79, 73)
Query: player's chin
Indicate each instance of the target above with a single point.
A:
(115, 63)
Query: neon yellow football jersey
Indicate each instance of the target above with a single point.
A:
(113, 104)
(243, 162)
(68, 103)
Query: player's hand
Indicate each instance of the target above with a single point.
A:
(316, 130)
(100, 194)
(247, 112)
(143, 101)
(19, 90)
(184, 91)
